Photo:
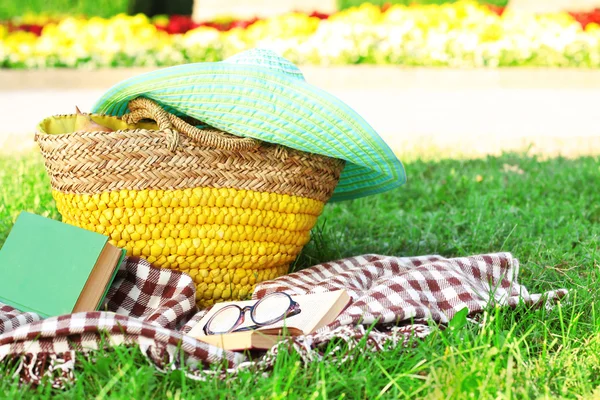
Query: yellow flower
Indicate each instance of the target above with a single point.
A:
(460, 34)
(366, 13)
(593, 27)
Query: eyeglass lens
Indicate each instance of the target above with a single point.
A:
(268, 310)
(224, 319)
(271, 308)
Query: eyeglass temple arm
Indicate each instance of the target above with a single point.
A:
(294, 310)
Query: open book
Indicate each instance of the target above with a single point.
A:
(315, 311)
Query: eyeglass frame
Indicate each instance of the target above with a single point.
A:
(293, 309)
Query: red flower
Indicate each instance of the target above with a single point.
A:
(496, 9)
(180, 24)
(35, 29)
(586, 18)
(319, 15)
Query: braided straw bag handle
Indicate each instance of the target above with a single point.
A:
(143, 108)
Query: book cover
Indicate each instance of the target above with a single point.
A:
(316, 310)
(45, 265)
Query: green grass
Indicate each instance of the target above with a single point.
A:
(547, 213)
(101, 8)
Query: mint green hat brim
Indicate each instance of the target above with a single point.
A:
(271, 106)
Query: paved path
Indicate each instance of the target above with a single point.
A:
(478, 115)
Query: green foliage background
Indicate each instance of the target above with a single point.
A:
(106, 8)
(101, 8)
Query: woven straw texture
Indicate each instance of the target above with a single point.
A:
(229, 211)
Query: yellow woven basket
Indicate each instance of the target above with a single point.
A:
(228, 211)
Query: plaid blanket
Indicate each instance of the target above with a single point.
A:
(154, 309)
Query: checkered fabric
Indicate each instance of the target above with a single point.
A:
(392, 289)
(145, 306)
(155, 308)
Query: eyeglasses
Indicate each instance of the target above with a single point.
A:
(268, 310)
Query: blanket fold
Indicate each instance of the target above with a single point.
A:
(154, 309)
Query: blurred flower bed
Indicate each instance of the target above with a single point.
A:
(462, 34)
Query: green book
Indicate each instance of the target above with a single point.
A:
(52, 268)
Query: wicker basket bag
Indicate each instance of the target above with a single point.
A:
(228, 211)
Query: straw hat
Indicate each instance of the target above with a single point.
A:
(259, 94)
